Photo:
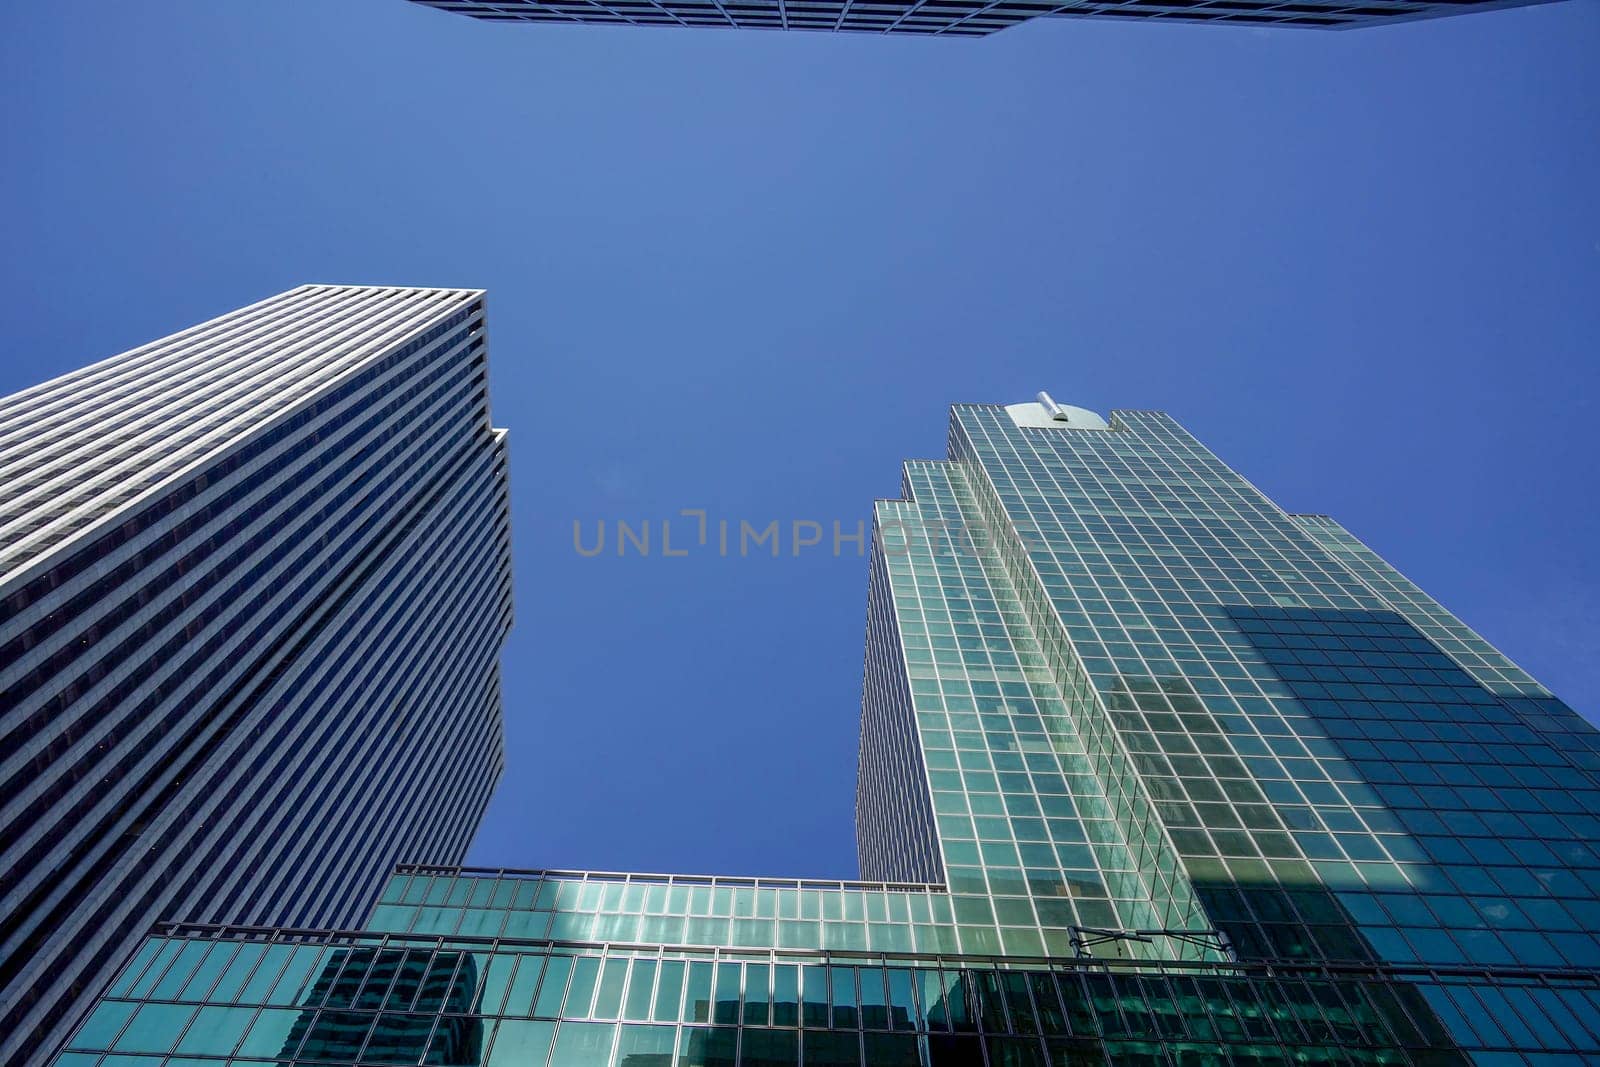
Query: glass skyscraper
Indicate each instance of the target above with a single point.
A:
(956, 18)
(1151, 772)
(254, 580)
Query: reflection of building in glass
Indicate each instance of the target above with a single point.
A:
(1151, 772)
(254, 579)
(382, 1005)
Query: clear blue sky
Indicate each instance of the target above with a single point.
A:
(749, 271)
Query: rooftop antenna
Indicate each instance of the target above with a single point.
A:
(1052, 407)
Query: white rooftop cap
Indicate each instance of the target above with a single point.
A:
(1045, 412)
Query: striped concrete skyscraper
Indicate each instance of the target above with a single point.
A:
(254, 580)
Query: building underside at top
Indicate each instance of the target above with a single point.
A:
(954, 18)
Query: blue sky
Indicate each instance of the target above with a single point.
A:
(748, 272)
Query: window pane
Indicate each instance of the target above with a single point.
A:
(444, 983)
(727, 1000)
(814, 988)
(902, 1005)
(641, 990)
(554, 987)
(155, 1028)
(289, 988)
(935, 1016)
(1015, 984)
(495, 984)
(518, 1043)
(103, 1026)
(458, 1039)
(645, 1046)
(608, 1004)
(1046, 1004)
(520, 1000)
(957, 1001)
(334, 1033)
(949, 1050)
(785, 995)
(697, 997)
(1016, 1052)
(707, 1046)
(769, 1048)
(756, 993)
(892, 1050)
(398, 1039)
(178, 974)
(842, 983)
(987, 985)
(217, 1030)
(874, 1004)
(206, 975)
(270, 1032)
(137, 966)
(261, 980)
(669, 991)
(580, 991)
(583, 1044)
(831, 1048)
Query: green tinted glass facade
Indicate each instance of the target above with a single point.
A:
(276, 998)
(1150, 772)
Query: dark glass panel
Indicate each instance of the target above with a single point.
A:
(1197, 1054)
(991, 1008)
(935, 1015)
(831, 1048)
(891, 1050)
(1015, 986)
(874, 1002)
(954, 1050)
(757, 977)
(769, 1048)
(842, 986)
(1135, 1054)
(958, 1001)
(1015, 1052)
(708, 1046)
(1079, 1005)
(785, 995)
(814, 991)
(902, 1000)
(1075, 1052)
(1051, 1019)
(726, 1009)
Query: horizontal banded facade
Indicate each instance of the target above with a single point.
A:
(254, 579)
